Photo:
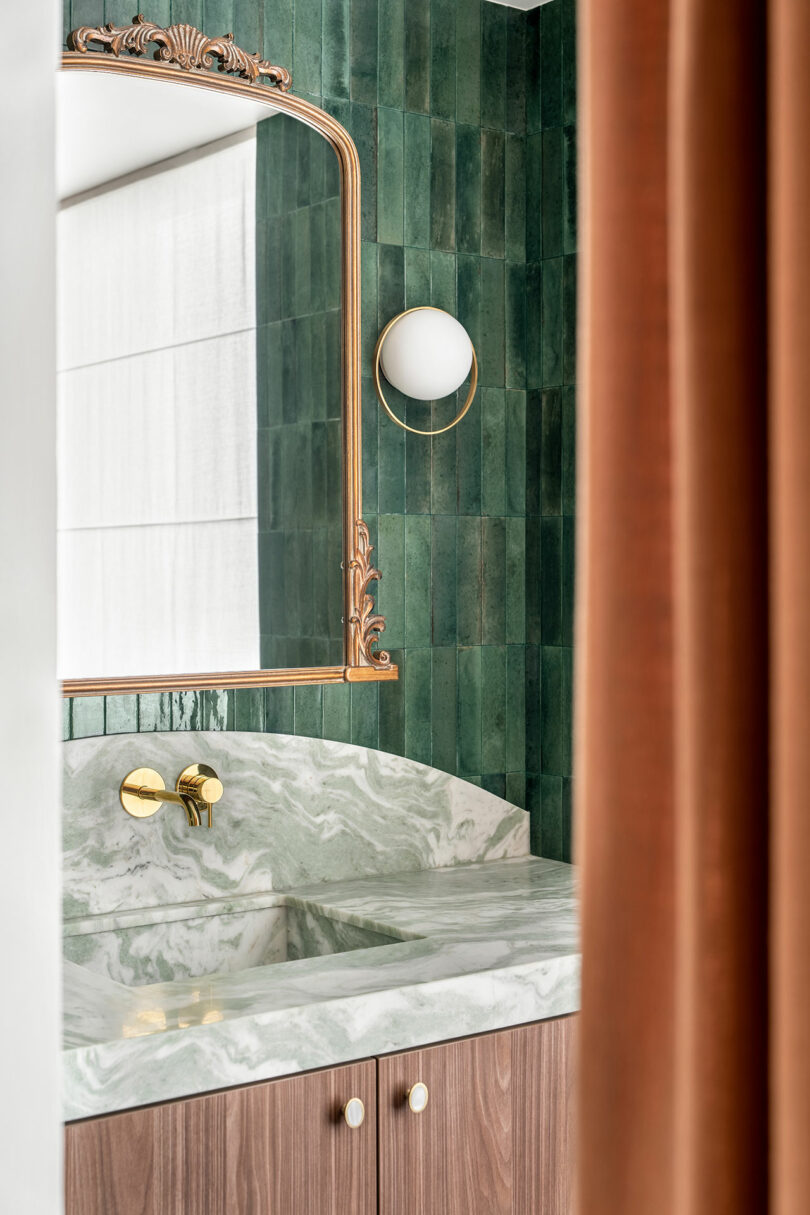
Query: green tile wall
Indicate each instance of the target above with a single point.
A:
(464, 115)
(298, 259)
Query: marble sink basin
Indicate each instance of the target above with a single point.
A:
(203, 944)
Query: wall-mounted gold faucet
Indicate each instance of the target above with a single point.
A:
(198, 787)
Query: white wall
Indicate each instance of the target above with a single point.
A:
(30, 1134)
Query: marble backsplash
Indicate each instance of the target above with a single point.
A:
(295, 811)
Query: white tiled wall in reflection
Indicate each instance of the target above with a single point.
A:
(158, 563)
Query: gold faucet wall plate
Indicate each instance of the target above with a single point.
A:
(137, 779)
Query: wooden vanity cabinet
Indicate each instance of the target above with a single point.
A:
(493, 1139)
(280, 1147)
(495, 1136)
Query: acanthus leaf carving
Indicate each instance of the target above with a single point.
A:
(184, 45)
(368, 622)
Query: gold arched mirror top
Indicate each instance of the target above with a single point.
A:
(185, 56)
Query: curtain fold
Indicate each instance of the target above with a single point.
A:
(693, 732)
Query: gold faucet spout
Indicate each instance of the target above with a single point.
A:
(198, 787)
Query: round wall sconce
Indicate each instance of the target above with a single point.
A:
(426, 354)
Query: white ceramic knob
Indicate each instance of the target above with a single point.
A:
(418, 1097)
(354, 1112)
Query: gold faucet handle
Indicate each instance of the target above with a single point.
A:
(202, 783)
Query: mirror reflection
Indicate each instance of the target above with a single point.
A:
(199, 259)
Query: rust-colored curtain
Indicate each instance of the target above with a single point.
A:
(693, 618)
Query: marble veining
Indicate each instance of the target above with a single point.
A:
(484, 946)
(346, 903)
(295, 811)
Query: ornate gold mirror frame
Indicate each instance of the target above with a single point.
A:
(184, 55)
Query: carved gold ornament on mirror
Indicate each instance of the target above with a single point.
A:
(184, 55)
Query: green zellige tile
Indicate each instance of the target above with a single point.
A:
(443, 281)
(493, 231)
(516, 45)
(552, 321)
(308, 711)
(417, 56)
(551, 697)
(277, 45)
(418, 460)
(417, 580)
(551, 65)
(468, 460)
(363, 51)
(154, 712)
(121, 715)
(469, 576)
(552, 206)
(468, 189)
(570, 189)
(551, 453)
(307, 46)
(365, 714)
(568, 450)
(533, 588)
(469, 710)
(417, 180)
(392, 711)
(493, 451)
(515, 453)
(551, 826)
(493, 708)
(442, 185)
(391, 593)
(551, 580)
(417, 277)
(516, 710)
(515, 319)
(417, 679)
(337, 712)
(390, 176)
(391, 56)
(88, 716)
(569, 61)
(443, 708)
(568, 571)
(534, 197)
(494, 575)
(569, 319)
(279, 715)
(468, 61)
(515, 581)
(335, 48)
(443, 457)
(533, 707)
(491, 353)
(443, 59)
(515, 198)
(443, 580)
(516, 789)
(468, 289)
(493, 66)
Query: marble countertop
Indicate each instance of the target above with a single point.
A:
(485, 945)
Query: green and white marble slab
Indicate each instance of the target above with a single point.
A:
(490, 945)
(295, 811)
(346, 903)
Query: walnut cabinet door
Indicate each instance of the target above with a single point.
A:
(494, 1137)
(281, 1147)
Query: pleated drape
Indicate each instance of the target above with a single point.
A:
(693, 618)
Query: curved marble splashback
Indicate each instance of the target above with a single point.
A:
(295, 811)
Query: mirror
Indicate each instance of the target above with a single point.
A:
(209, 521)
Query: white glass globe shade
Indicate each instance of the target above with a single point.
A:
(426, 354)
